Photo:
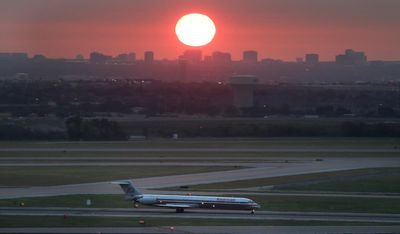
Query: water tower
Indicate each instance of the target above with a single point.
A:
(243, 90)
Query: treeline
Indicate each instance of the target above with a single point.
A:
(11, 131)
(80, 129)
(90, 98)
(265, 129)
(93, 129)
(76, 129)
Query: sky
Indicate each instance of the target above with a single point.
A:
(279, 29)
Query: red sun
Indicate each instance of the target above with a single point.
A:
(195, 29)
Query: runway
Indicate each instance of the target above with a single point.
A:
(202, 214)
(156, 158)
(211, 230)
(207, 150)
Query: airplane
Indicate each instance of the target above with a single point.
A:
(182, 202)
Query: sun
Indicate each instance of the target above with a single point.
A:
(195, 29)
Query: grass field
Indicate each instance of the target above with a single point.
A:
(285, 143)
(328, 204)
(43, 176)
(389, 183)
(267, 202)
(72, 201)
(183, 155)
(381, 180)
(55, 221)
(63, 149)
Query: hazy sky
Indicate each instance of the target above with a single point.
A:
(282, 29)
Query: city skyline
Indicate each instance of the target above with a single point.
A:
(284, 30)
(193, 54)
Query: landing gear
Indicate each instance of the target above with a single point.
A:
(179, 210)
(253, 212)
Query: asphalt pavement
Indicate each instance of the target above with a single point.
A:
(206, 150)
(211, 230)
(204, 214)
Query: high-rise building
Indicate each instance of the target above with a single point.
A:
(131, 57)
(193, 56)
(312, 59)
(208, 59)
(351, 57)
(125, 58)
(243, 90)
(148, 56)
(250, 56)
(221, 57)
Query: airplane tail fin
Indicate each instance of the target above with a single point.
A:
(129, 189)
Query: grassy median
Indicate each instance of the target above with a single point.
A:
(377, 180)
(267, 202)
(273, 142)
(59, 175)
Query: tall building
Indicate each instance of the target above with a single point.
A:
(312, 59)
(148, 56)
(193, 56)
(243, 90)
(131, 57)
(208, 59)
(250, 56)
(125, 58)
(351, 57)
(221, 57)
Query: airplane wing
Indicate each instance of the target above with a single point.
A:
(174, 205)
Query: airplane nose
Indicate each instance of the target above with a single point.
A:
(257, 206)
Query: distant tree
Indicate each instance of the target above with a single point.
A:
(326, 110)
(39, 58)
(95, 129)
(385, 111)
(74, 128)
(354, 128)
(340, 111)
(231, 111)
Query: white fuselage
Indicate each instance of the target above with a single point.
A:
(205, 202)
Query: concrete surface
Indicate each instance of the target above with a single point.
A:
(211, 230)
(206, 214)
